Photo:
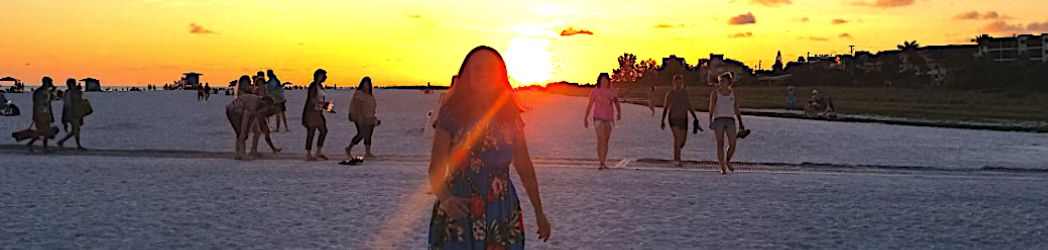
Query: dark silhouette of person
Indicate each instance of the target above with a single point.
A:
(275, 90)
(313, 116)
(72, 113)
(207, 91)
(42, 113)
(362, 113)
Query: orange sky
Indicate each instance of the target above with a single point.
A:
(133, 42)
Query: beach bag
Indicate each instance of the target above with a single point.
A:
(30, 133)
(85, 108)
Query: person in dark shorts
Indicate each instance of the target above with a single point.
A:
(675, 109)
(724, 113)
(42, 113)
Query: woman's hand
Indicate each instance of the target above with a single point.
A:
(544, 227)
(456, 208)
(585, 122)
(663, 126)
(619, 117)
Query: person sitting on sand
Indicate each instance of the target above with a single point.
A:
(276, 91)
(42, 113)
(313, 116)
(604, 102)
(244, 114)
(819, 105)
(724, 110)
(362, 113)
(480, 132)
(72, 113)
(675, 109)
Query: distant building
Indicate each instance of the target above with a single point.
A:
(91, 84)
(673, 65)
(717, 64)
(1026, 47)
(190, 80)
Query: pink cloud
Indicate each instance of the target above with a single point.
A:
(771, 3)
(743, 19)
(885, 3)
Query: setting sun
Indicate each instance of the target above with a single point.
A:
(529, 61)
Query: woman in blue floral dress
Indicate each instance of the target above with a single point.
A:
(479, 133)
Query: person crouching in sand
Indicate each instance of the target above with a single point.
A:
(245, 113)
(313, 116)
(724, 110)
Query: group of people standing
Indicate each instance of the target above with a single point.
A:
(258, 98)
(724, 114)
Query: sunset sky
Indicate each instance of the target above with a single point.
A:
(135, 42)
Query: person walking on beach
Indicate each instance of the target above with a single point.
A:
(362, 113)
(42, 113)
(207, 91)
(479, 134)
(604, 103)
(313, 116)
(73, 113)
(675, 109)
(724, 113)
(276, 91)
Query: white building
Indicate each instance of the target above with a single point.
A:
(1014, 48)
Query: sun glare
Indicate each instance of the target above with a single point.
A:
(529, 61)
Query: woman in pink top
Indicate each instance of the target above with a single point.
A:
(604, 102)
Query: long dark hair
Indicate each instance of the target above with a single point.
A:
(365, 85)
(603, 76)
(464, 104)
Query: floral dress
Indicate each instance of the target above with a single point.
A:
(494, 219)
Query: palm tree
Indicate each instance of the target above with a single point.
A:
(908, 45)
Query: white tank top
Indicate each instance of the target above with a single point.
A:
(725, 105)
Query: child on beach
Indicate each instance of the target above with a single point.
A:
(313, 116)
(676, 107)
(724, 110)
(604, 102)
(479, 134)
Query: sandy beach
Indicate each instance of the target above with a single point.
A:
(162, 176)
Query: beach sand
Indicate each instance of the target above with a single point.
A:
(163, 177)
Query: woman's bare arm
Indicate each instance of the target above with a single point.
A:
(713, 105)
(526, 171)
(738, 112)
(665, 107)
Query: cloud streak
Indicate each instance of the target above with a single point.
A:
(199, 30)
(743, 19)
(885, 3)
(839, 21)
(975, 15)
(570, 31)
(741, 35)
(771, 3)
